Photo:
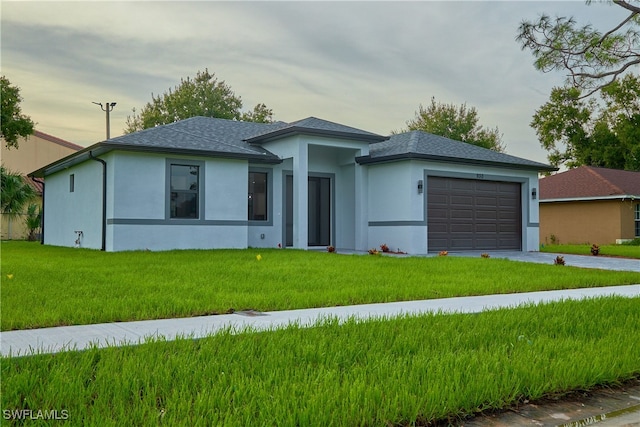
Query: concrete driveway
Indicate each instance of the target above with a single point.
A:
(584, 261)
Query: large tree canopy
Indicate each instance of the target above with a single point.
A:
(593, 58)
(13, 123)
(455, 122)
(204, 96)
(603, 132)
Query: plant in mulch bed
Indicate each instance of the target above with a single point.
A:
(485, 255)
(559, 260)
(443, 253)
(595, 250)
(331, 249)
(374, 251)
(384, 247)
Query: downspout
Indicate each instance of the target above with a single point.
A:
(104, 200)
(41, 212)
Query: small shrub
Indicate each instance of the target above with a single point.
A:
(384, 247)
(485, 255)
(373, 251)
(331, 249)
(634, 242)
(559, 260)
(443, 253)
(595, 250)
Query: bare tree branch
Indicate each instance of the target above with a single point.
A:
(592, 58)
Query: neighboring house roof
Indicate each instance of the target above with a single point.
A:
(588, 183)
(315, 126)
(56, 140)
(425, 146)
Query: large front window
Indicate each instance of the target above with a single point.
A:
(257, 196)
(184, 182)
(638, 220)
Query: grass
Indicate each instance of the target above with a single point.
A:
(51, 286)
(625, 251)
(406, 371)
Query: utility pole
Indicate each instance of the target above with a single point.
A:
(108, 109)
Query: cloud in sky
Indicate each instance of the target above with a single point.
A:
(364, 64)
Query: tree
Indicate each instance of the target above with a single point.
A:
(15, 193)
(594, 59)
(203, 95)
(13, 123)
(592, 132)
(454, 122)
(33, 221)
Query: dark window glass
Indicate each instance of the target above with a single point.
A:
(638, 220)
(72, 183)
(184, 183)
(257, 196)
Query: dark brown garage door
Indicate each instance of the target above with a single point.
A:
(466, 214)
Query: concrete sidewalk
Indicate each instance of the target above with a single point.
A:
(52, 340)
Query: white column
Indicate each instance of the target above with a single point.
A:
(300, 196)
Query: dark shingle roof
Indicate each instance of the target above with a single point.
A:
(426, 146)
(205, 134)
(588, 182)
(315, 126)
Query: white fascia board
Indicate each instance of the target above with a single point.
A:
(587, 199)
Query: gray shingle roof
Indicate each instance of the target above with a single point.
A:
(315, 126)
(426, 146)
(206, 134)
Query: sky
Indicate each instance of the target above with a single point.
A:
(368, 65)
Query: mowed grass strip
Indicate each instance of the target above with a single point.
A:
(405, 371)
(50, 286)
(625, 251)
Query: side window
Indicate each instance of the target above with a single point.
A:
(257, 201)
(638, 220)
(72, 183)
(184, 189)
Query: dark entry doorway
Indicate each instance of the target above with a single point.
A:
(319, 211)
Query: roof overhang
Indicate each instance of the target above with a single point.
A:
(365, 160)
(102, 148)
(297, 130)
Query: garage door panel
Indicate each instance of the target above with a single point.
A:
(465, 214)
(486, 201)
(461, 200)
(461, 214)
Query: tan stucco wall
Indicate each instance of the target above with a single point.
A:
(600, 222)
(33, 153)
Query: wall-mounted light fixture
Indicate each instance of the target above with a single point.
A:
(420, 186)
(534, 194)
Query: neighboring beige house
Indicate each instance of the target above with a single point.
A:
(33, 152)
(590, 205)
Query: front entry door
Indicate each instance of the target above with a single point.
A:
(319, 210)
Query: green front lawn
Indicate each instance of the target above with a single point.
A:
(50, 286)
(406, 371)
(625, 251)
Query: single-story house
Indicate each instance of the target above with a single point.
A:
(214, 183)
(590, 205)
